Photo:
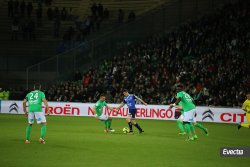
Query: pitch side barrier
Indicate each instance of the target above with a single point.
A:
(160, 112)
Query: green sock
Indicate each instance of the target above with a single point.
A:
(109, 124)
(106, 125)
(43, 131)
(192, 128)
(200, 126)
(187, 127)
(180, 126)
(28, 130)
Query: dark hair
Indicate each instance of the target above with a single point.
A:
(125, 90)
(102, 95)
(248, 93)
(37, 86)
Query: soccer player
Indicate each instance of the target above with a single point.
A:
(98, 113)
(35, 99)
(180, 121)
(130, 99)
(246, 108)
(189, 110)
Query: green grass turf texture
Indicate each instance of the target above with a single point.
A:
(80, 141)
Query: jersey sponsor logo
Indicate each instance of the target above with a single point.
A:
(208, 114)
(13, 107)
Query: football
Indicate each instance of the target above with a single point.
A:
(125, 130)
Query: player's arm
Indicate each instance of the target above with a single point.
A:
(120, 106)
(96, 116)
(179, 107)
(193, 102)
(24, 106)
(46, 104)
(176, 103)
(142, 101)
(110, 108)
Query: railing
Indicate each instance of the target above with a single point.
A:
(63, 66)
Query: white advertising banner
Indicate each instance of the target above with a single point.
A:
(161, 112)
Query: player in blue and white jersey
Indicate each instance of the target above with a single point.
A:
(130, 100)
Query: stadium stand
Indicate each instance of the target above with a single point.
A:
(209, 56)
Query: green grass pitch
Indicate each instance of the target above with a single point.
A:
(81, 142)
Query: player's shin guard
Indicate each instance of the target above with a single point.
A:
(109, 124)
(130, 126)
(200, 126)
(180, 125)
(187, 127)
(192, 129)
(43, 131)
(28, 130)
(138, 127)
(245, 125)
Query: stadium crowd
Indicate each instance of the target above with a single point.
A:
(210, 57)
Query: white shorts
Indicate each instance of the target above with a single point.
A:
(181, 116)
(103, 117)
(189, 116)
(40, 117)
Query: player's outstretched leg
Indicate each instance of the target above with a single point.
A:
(243, 125)
(28, 130)
(137, 126)
(43, 131)
(193, 131)
(201, 127)
(181, 127)
(187, 127)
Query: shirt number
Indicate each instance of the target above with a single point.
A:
(36, 96)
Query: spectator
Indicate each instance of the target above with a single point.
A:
(64, 14)
(100, 10)
(131, 16)
(29, 9)
(108, 96)
(57, 25)
(120, 16)
(50, 14)
(10, 8)
(97, 95)
(106, 14)
(71, 14)
(197, 96)
(56, 13)
(22, 8)
(78, 97)
(94, 9)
